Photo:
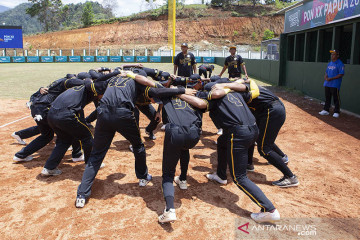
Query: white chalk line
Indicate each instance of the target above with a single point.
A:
(14, 121)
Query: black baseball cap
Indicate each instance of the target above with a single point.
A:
(83, 75)
(208, 86)
(69, 75)
(184, 45)
(214, 78)
(334, 51)
(164, 77)
(140, 72)
(193, 80)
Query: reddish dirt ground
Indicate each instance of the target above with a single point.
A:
(323, 151)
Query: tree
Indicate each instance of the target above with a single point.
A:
(87, 15)
(268, 34)
(110, 5)
(47, 12)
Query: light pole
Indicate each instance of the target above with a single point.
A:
(89, 40)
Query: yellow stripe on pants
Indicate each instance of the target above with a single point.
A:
(262, 142)
(236, 182)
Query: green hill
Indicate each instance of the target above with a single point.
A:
(17, 17)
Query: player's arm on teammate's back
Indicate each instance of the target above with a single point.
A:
(194, 101)
(107, 76)
(140, 79)
(169, 92)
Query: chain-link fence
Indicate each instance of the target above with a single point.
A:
(121, 52)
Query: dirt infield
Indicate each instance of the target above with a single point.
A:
(323, 151)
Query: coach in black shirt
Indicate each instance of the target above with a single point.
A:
(233, 63)
(185, 62)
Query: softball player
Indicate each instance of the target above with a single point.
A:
(182, 132)
(66, 118)
(239, 133)
(115, 114)
(39, 110)
(234, 64)
(270, 115)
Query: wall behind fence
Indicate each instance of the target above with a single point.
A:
(266, 70)
(309, 78)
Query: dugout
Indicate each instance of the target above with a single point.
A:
(311, 29)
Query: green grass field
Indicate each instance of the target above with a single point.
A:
(21, 80)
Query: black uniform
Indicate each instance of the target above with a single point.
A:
(239, 133)
(182, 132)
(234, 65)
(40, 106)
(185, 64)
(66, 117)
(28, 132)
(115, 114)
(270, 115)
(204, 68)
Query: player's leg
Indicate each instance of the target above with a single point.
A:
(336, 95)
(76, 151)
(328, 95)
(104, 134)
(171, 155)
(241, 138)
(150, 112)
(127, 127)
(269, 127)
(46, 135)
(220, 174)
(26, 133)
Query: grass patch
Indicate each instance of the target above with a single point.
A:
(21, 80)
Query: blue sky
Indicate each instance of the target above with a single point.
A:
(124, 9)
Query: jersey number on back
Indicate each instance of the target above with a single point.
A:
(234, 100)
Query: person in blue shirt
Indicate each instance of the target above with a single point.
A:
(333, 77)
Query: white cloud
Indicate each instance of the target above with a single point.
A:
(125, 8)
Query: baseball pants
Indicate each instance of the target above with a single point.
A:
(28, 132)
(233, 148)
(111, 120)
(149, 111)
(69, 128)
(270, 121)
(177, 142)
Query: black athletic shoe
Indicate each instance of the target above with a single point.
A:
(287, 182)
(250, 168)
(80, 201)
(151, 135)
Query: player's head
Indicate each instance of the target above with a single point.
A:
(194, 82)
(184, 47)
(69, 75)
(212, 67)
(215, 78)
(232, 50)
(165, 79)
(334, 54)
(83, 75)
(208, 86)
(140, 72)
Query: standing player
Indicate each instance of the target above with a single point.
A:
(234, 64)
(333, 77)
(184, 63)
